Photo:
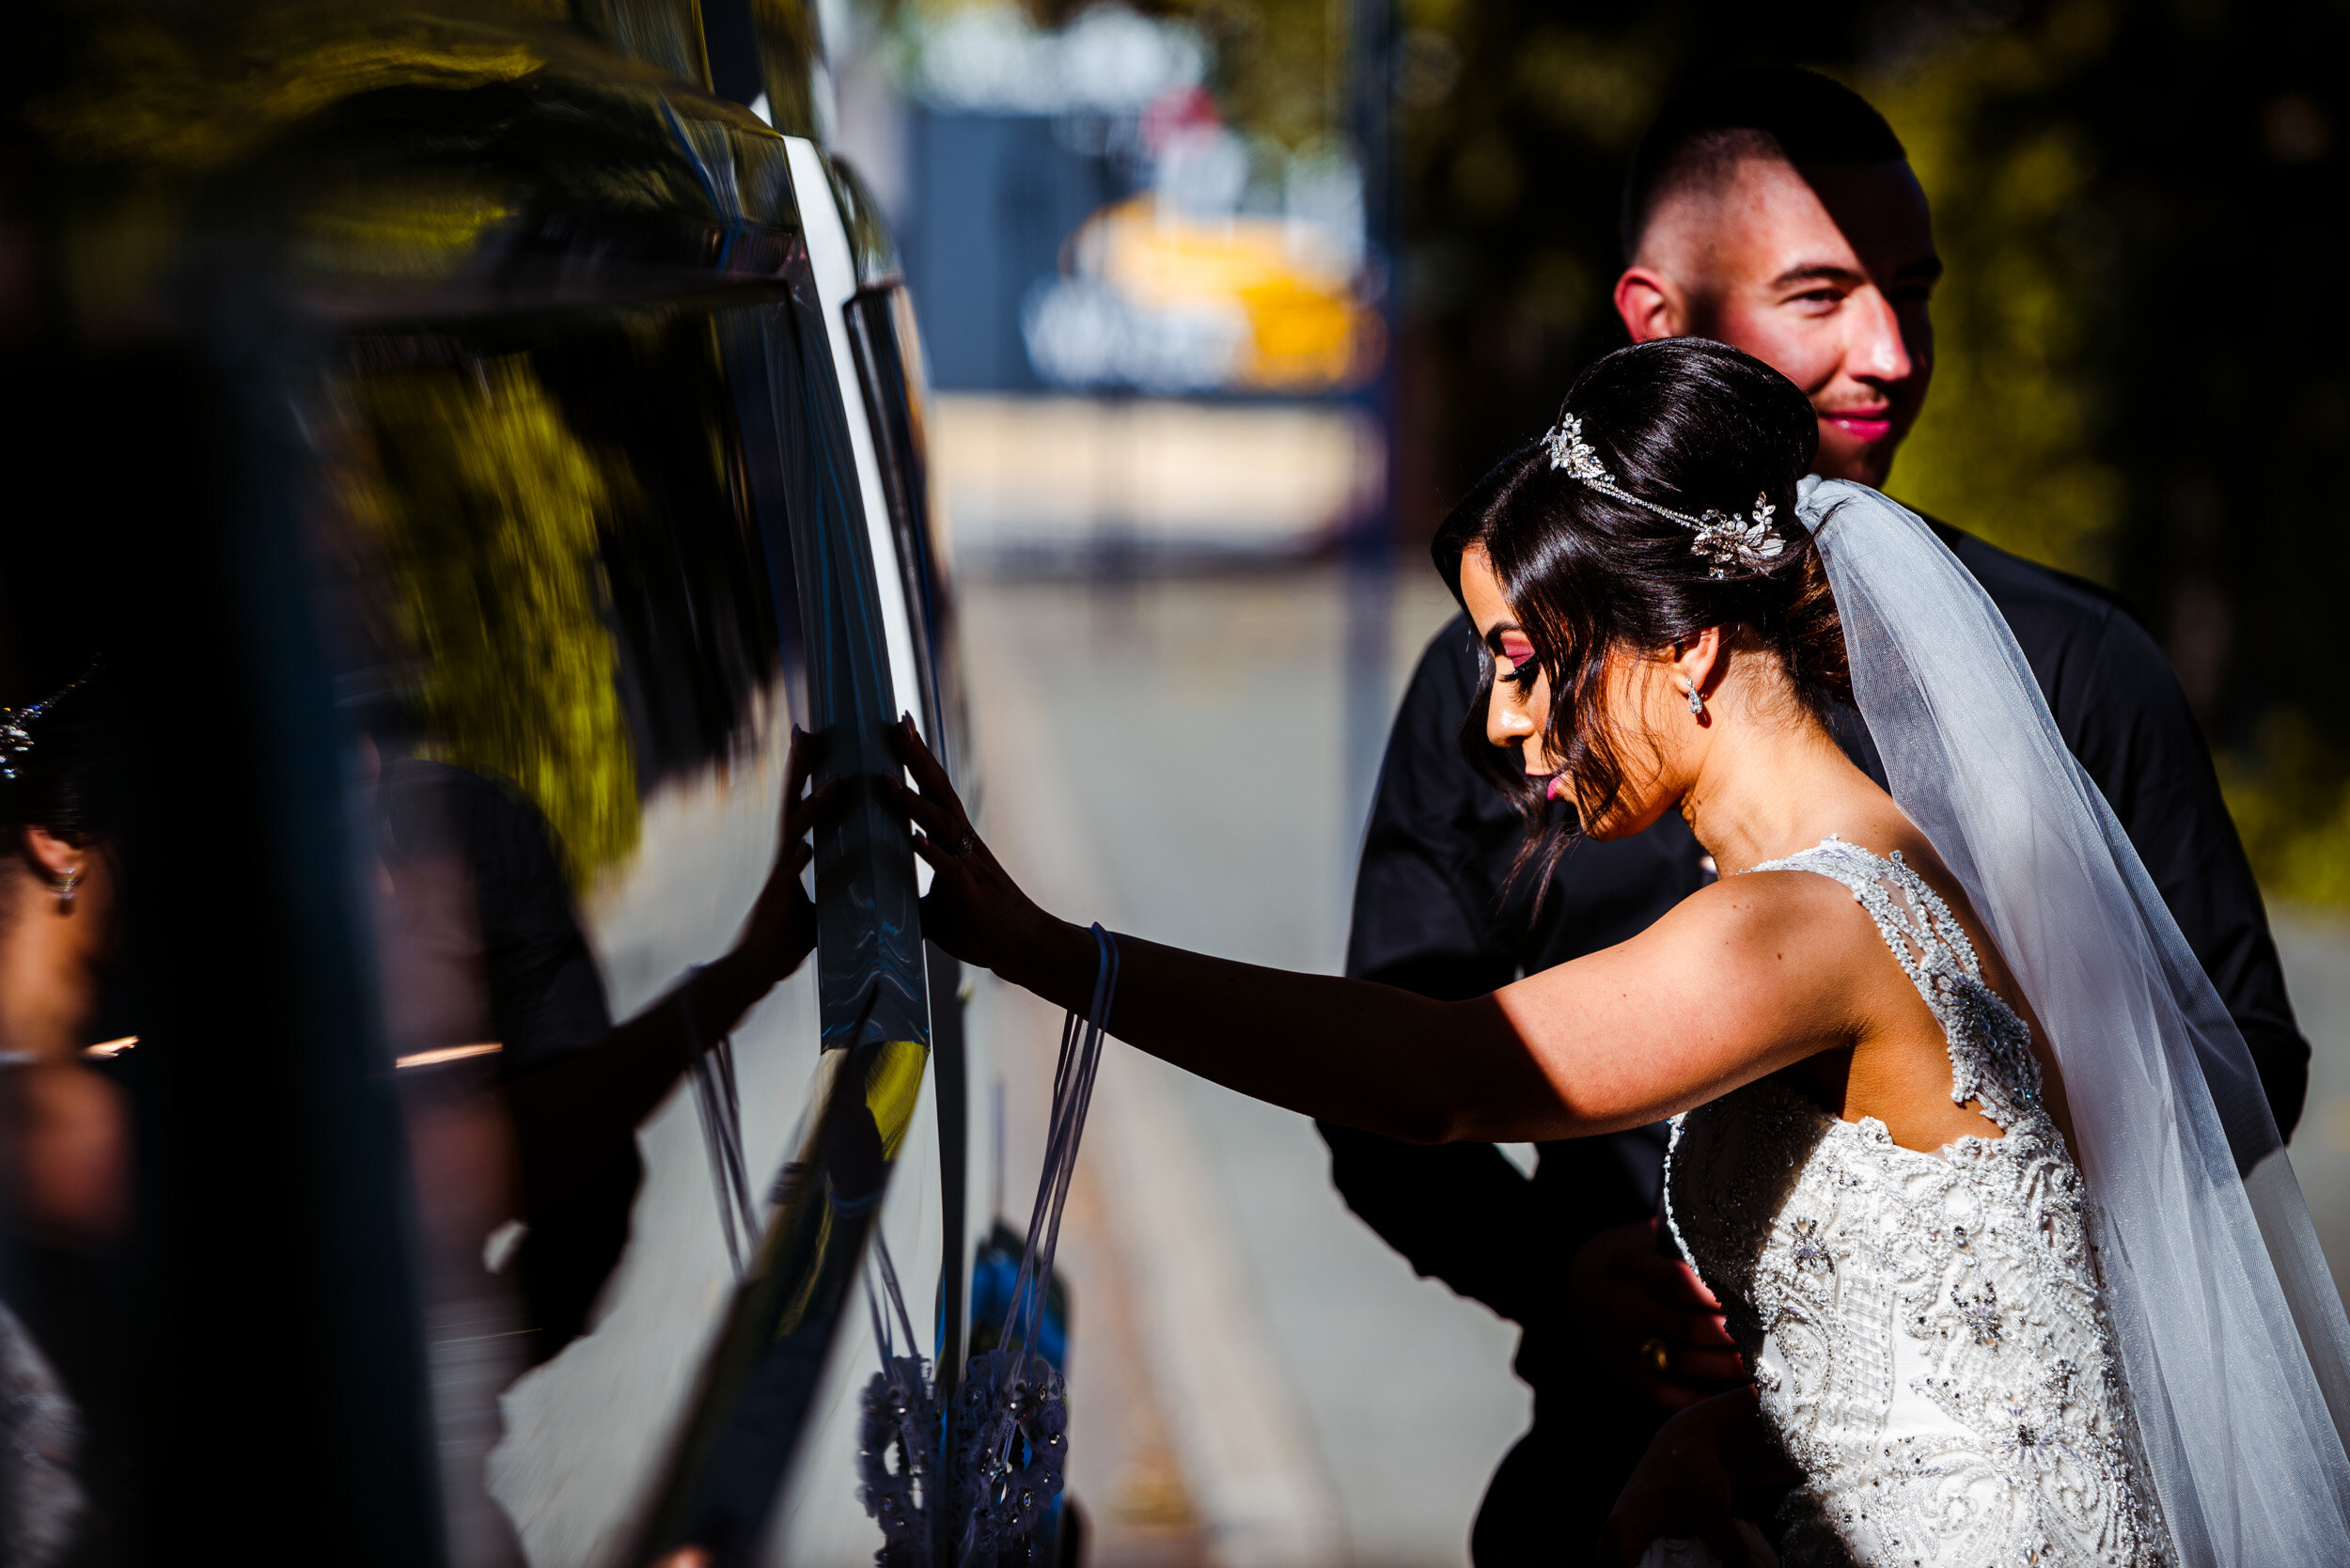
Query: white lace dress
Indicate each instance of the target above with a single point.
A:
(1924, 1330)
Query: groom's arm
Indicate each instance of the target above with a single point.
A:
(1461, 1213)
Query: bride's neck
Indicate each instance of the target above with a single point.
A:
(46, 993)
(1770, 780)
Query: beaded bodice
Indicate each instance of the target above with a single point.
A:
(1924, 1330)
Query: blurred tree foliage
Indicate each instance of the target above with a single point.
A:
(1281, 65)
(2138, 378)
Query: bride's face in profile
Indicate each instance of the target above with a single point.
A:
(1638, 694)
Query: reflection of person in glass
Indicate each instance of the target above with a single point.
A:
(572, 1112)
(65, 1186)
(484, 958)
(520, 1096)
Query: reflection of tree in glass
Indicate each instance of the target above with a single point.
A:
(152, 92)
(489, 510)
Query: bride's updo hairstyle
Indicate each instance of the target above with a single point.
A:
(57, 767)
(1691, 425)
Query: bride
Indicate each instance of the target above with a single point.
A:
(1964, 1142)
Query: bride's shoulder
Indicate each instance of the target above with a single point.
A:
(1769, 892)
(1780, 919)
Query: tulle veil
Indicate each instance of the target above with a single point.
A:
(2231, 1335)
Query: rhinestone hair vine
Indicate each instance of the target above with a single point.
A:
(16, 737)
(1724, 539)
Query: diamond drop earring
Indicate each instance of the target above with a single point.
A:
(1697, 704)
(68, 883)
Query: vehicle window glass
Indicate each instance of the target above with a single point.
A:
(570, 659)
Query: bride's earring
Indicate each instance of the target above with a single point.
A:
(69, 882)
(1697, 704)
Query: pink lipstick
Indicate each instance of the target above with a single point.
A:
(1864, 427)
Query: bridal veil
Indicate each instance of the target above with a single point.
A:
(2231, 1333)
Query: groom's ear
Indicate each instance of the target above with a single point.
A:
(1650, 304)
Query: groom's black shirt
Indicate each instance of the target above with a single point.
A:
(1428, 918)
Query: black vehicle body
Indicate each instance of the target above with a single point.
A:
(471, 398)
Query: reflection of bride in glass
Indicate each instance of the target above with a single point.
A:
(484, 960)
(521, 1097)
(1998, 1217)
(65, 1135)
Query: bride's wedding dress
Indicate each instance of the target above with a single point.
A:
(1926, 1330)
(2126, 1351)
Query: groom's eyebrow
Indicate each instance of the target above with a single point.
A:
(1926, 268)
(1820, 271)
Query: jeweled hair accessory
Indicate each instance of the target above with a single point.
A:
(1724, 539)
(16, 737)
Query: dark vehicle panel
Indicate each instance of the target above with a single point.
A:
(486, 445)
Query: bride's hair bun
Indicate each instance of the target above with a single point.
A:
(57, 751)
(1689, 426)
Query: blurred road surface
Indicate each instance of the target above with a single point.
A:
(1166, 757)
(2316, 950)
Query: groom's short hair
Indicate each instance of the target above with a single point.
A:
(1779, 111)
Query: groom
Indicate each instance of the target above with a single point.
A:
(1774, 211)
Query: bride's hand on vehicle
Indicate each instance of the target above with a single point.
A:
(974, 909)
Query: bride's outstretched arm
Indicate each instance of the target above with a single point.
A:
(1701, 1003)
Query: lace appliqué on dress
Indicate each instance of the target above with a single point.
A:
(1926, 1330)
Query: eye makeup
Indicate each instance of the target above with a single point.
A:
(1514, 648)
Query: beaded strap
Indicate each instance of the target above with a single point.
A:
(1990, 1046)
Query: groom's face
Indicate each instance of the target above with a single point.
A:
(1824, 274)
